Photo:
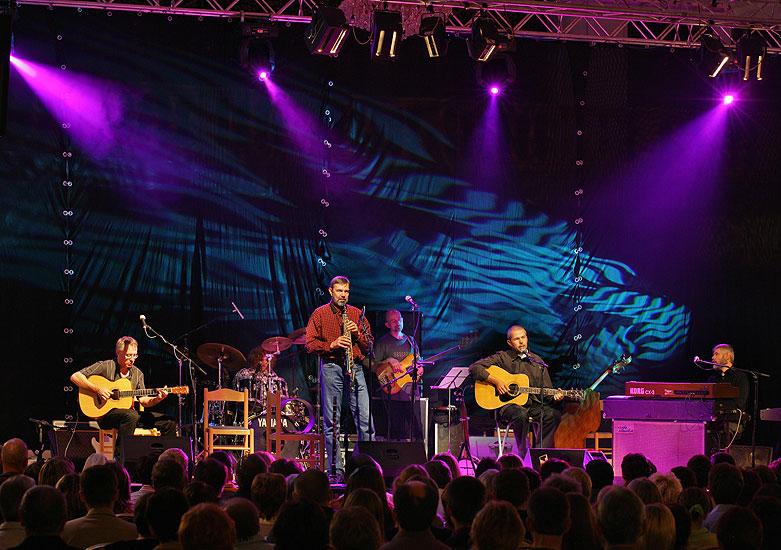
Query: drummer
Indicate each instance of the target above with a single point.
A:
(259, 377)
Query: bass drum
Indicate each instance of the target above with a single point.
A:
(299, 414)
(290, 449)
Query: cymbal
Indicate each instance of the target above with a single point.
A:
(276, 343)
(232, 359)
(298, 336)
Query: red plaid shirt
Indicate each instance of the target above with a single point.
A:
(325, 326)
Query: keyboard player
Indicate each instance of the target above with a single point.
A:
(727, 411)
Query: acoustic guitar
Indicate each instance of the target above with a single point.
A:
(406, 363)
(122, 394)
(488, 396)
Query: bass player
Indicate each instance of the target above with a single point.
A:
(519, 360)
(124, 420)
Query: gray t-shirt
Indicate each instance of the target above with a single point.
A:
(388, 346)
(110, 370)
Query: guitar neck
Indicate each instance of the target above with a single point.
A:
(139, 393)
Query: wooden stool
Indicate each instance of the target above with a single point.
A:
(106, 443)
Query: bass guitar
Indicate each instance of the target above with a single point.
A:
(488, 397)
(122, 394)
(406, 363)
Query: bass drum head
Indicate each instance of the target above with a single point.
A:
(290, 449)
(300, 414)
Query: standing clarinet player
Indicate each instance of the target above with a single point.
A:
(340, 335)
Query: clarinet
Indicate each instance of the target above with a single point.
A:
(349, 351)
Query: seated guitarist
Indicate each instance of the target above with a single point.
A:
(124, 420)
(519, 360)
(389, 350)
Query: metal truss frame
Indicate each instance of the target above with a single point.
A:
(647, 23)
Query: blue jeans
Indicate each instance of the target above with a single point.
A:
(334, 382)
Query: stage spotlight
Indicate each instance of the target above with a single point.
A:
(326, 33)
(432, 29)
(484, 39)
(494, 90)
(257, 57)
(262, 75)
(498, 73)
(750, 54)
(713, 54)
(386, 34)
(728, 99)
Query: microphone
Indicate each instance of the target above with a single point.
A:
(363, 314)
(143, 321)
(236, 310)
(409, 299)
(524, 355)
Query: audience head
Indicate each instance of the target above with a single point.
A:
(164, 511)
(144, 466)
(267, 457)
(497, 527)
(43, 511)
(33, 469)
(583, 533)
(683, 524)
(464, 497)
(11, 492)
(580, 475)
(206, 527)
(179, 456)
(768, 510)
(70, 486)
(139, 517)
(751, 484)
(313, 485)
(669, 486)
(739, 529)
(355, 528)
(765, 474)
(301, 524)
(635, 465)
(548, 510)
(99, 486)
(285, 467)
(14, 456)
(487, 479)
(659, 532)
(620, 515)
(769, 490)
(534, 478)
(552, 466)
(720, 457)
(415, 505)
(245, 517)
(486, 464)
(700, 465)
(601, 474)
(226, 459)
(439, 472)
(451, 462)
(509, 461)
(212, 472)
(123, 503)
(367, 477)
(646, 490)
(413, 470)
(725, 482)
(167, 472)
(95, 459)
(685, 476)
(368, 499)
(53, 469)
(248, 468)
(511, 486)
(697, 502)
(358, 460)
(563, 483)
(199, 492)
(268, 493)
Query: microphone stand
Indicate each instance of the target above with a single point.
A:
(755, 374)
(370, 356)
(415, 364)
(543, 365)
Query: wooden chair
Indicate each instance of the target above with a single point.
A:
(107, 440)
(504, 426)
(244, 431)
(275, 436)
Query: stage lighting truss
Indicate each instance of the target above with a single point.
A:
(326, 34)
(432, 29)
(387, 31)
(750, 52)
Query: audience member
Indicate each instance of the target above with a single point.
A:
(12, 491)
(659, 530)
(415, 507)
(698, 504)
(700, 465)
(179, 456)
(355, 528)
(725, 482)
(285, 466)
(95, 459)
(168, 472)
(144, 466)
(266, 456)
(768, 510)
(769, 490)
(497, 527)
(683, 524)
(212, 472)
(548, 519)
(765, 474)
(100, 525)
(685, 476)
(739, 528)
(580, 475)
(34, 469)
(226, 460)
(563, 483)
(485, 464)
(463, 498)
(451, 463)
(601, 474)
(123, 506)
(533, 476)
(245, 517)
(358, 460)
(669, 486)
(145, 540)
(620, 516)
(440, 474)
(512, 486)
(645, 489)
(268, 493)
(583, 533)
(751, 484)
(366, 498)
(70, 486)
(314, 486)
(14, 458)
(248, 468)
(164, 511)
(198, 492)
(43, 513)
(509, 461)
(206, 526)
(635, 465)
(552, 466)
(53, 469)
(487, 479)
(300, 525)
(409, 472)
(722, 457)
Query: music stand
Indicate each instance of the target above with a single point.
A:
(452, 382)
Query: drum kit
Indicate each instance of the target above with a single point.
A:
(298, 415)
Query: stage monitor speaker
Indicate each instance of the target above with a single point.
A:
(742, 455)
(73, 444)
(665, 443)
(488, 447)
(137, 446)
(574, 457)
(393, 456)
